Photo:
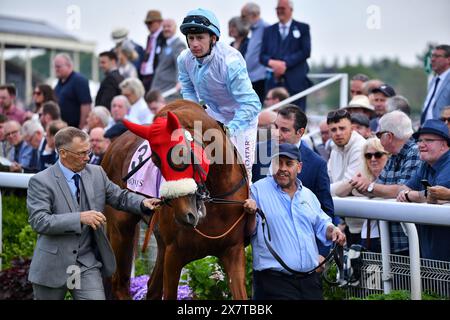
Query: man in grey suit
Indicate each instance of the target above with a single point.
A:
(65, 204)
(438, 95)
(166, 73)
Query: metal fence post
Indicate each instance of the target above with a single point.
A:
(414, 261)
(386, 251)
(344, 90)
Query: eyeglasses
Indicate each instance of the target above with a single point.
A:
(445, 119)
(199, 20)
(377, 155)
(380, 134)
(428, 141)
(37, 93)
(82, 154)
(438, 56)
(11, 133)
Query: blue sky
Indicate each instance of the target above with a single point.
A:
(339, 29)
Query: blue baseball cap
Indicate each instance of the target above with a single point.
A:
(288, 150)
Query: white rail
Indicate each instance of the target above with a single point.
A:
(342, 77)
(389, 210)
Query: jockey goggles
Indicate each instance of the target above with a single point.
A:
(199, 20)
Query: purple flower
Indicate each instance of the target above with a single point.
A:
(184, 293)
(138, 289)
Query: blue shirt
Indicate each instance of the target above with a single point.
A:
(21, 154)
(399, 169)
(71, 94)
(221, 81)
(294, 225)
(256, 70)
(68, 174)
(434, 240)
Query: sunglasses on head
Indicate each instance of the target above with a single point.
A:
(199, 20)
(380, 133)
(377, 155)
(335, 116)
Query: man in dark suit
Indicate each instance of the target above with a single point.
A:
(153, 21)
(291, 123)
(99, 145)
(109, 87)
(34, 135)
(286, 46)
(65, 204)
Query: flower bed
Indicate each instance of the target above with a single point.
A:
(138, 289)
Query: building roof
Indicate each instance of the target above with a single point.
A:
(15, 25)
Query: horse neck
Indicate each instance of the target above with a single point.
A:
(229, 174)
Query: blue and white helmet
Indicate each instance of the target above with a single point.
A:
(199, 21)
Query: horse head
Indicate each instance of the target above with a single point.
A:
(183, 164)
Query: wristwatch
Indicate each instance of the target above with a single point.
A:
(370, 187)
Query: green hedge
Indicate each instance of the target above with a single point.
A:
(18, 237)
(208, 281)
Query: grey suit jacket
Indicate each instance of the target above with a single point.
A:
(442, 98)
(166, 73)
(52, 214)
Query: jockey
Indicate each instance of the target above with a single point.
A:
(215, 74)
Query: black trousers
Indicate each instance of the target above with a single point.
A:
(274, 285)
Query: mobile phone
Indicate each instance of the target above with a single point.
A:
(425, 184)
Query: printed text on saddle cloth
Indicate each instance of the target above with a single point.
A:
(171, 147)
(147, 180)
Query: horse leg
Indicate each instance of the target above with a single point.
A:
(234, 263)
(155, 283)
(121, 231)
(172, 271)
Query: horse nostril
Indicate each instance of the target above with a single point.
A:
(190, 218)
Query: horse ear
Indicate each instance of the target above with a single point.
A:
(172, 122)
(137, 129)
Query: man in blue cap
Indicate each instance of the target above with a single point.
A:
(433, 139)
(215, 74)
(296, 219)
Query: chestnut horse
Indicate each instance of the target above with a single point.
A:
(183, 231)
